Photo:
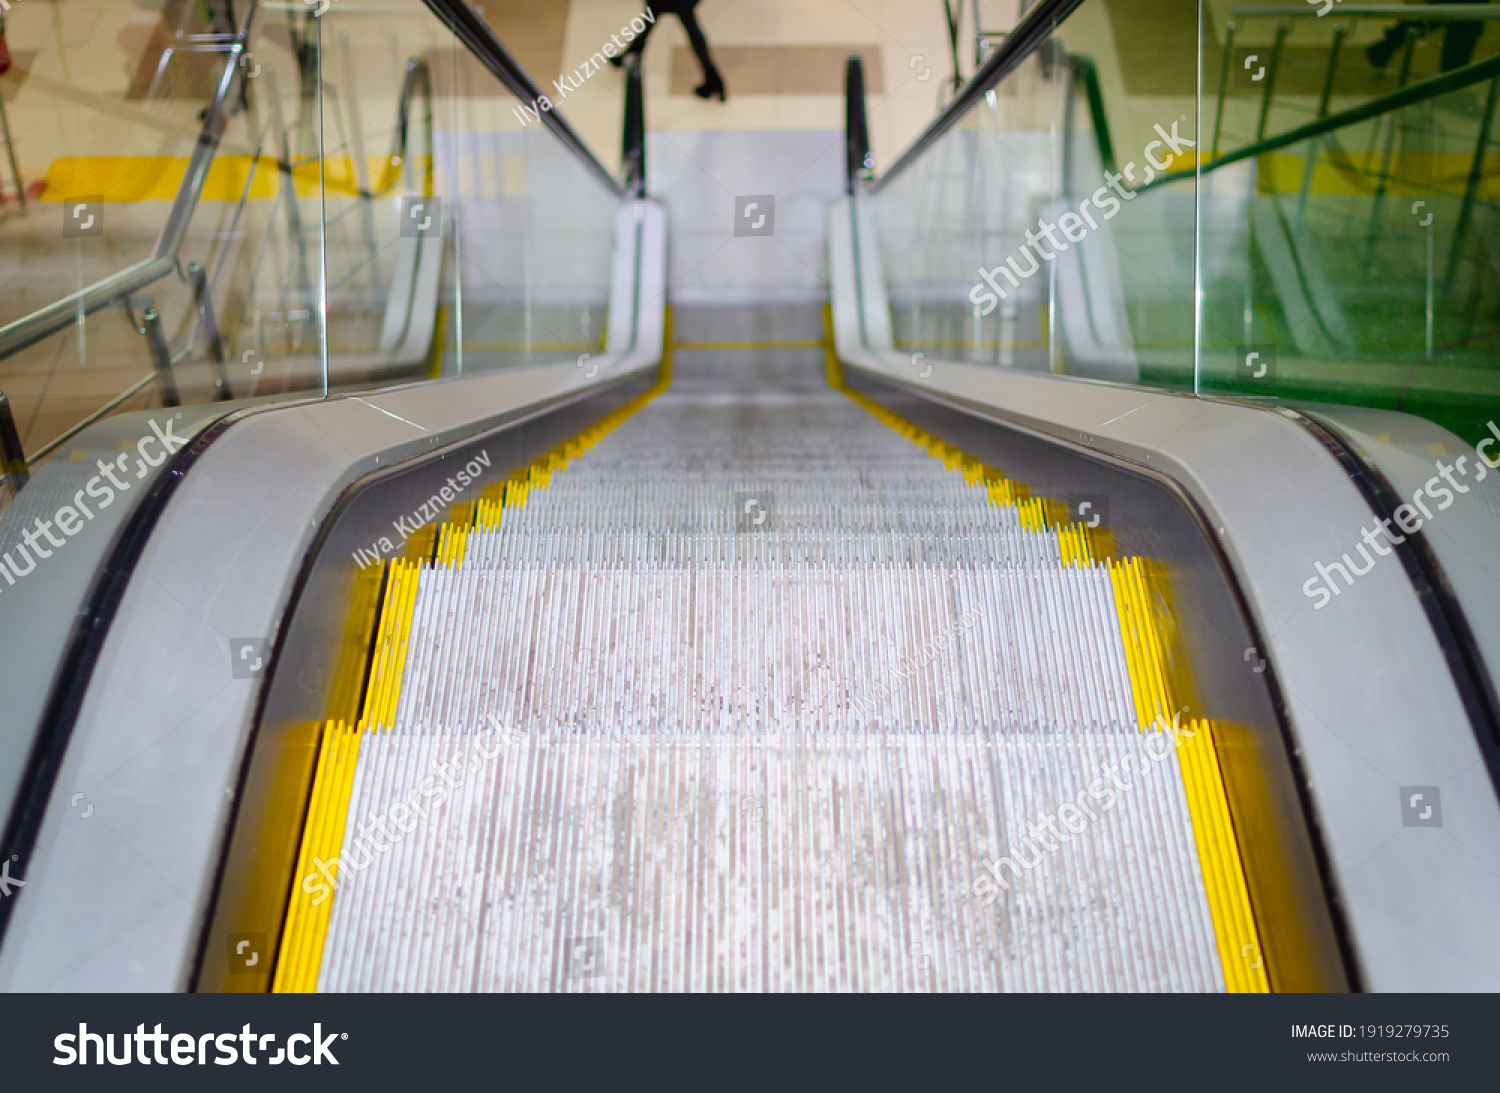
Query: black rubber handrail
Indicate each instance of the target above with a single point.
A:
(1019, 44)
(12, 456)
(476, 34)
(857, 160)
(633, 130)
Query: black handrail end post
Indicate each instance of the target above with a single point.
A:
(633, 139)
(859, 164)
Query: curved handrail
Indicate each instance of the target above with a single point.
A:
(1086, 71)
(417, 72)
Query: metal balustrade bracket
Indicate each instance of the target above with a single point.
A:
(161, 357)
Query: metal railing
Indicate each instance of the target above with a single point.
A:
(1422, 91)
(120, 287)
(61, 314)
(1426, 17)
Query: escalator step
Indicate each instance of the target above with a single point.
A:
(755, 694)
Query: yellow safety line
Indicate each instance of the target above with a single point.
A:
(308, 912)
(311, 903)
(1235, 930)
(709, 346)
(124, 179)
(1078, 544)
(1146, 659)
(537, 347)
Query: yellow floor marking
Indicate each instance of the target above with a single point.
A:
(124, 179)
(1358, 173)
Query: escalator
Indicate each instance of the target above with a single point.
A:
(675, 729)
(611, 660)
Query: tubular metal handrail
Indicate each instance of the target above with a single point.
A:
(60, 314)
(48, 320)
(1421, 91)
(165, 257)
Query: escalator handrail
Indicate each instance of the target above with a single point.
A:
(1421, 91)
(633, 129)
(1019, 44)
(476, 34)
(856, 127)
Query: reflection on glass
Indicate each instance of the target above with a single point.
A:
(1065, 222)
(1020, 240)
(268, 200)
(1356, 266)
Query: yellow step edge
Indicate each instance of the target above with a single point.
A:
(311, 900)
(308, 913)
(1235, 932)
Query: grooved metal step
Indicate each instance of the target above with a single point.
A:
(756, 694)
